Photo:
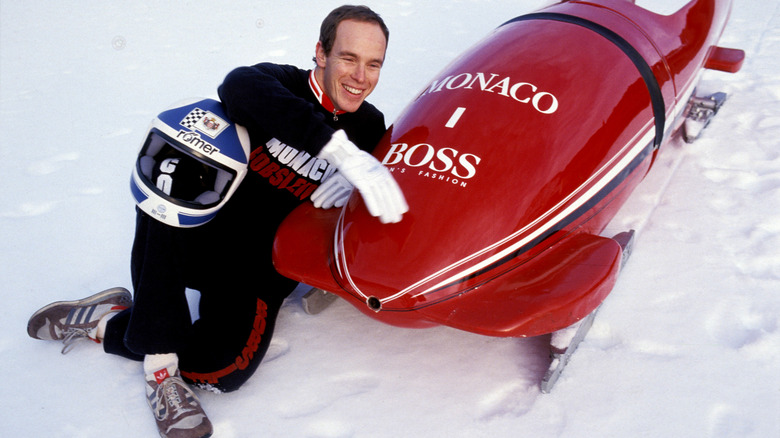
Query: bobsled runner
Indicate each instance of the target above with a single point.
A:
(513, 160)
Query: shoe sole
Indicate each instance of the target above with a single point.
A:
(126, 299)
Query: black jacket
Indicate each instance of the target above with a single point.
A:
(288, 127)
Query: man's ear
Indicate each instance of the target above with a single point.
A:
(319, 55)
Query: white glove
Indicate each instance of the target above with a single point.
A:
(333, 192)
(376, 185)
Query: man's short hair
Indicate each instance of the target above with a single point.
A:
(347, 12)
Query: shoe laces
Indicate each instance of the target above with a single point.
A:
(73, 335)
(168, 396)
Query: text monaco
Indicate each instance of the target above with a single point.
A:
(523, 92)
(288, 168)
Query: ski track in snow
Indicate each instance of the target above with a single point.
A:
(688, 343)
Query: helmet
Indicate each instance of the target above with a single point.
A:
(190, 163)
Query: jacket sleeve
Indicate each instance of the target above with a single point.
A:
(260, 98)
(373, 128)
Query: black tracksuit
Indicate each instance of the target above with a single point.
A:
(228, 260)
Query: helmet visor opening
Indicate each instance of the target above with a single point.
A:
(180, 175)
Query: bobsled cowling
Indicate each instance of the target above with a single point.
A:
(513, 160)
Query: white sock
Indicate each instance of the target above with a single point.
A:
(154, 364)
(100, 332)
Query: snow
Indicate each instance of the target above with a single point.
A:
(688, 343)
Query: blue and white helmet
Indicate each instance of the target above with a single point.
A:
(191, 162)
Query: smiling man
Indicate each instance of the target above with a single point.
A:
(310, 131)
(348, 68)
(320, 114)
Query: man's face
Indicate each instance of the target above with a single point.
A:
(351, 70)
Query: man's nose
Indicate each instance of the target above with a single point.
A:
(359, 73)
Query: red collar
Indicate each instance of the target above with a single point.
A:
(321, 96)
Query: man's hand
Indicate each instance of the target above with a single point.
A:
(380, 191)
(333, 192)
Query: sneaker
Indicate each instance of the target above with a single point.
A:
(176, 408)
(70, 321)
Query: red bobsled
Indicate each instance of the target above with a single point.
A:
(512, 161)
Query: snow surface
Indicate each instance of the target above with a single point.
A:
(687, 345)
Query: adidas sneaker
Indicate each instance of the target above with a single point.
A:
(70, 321)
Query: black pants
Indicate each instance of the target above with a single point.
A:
(241, 295)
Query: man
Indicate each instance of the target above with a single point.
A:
(308, 132)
